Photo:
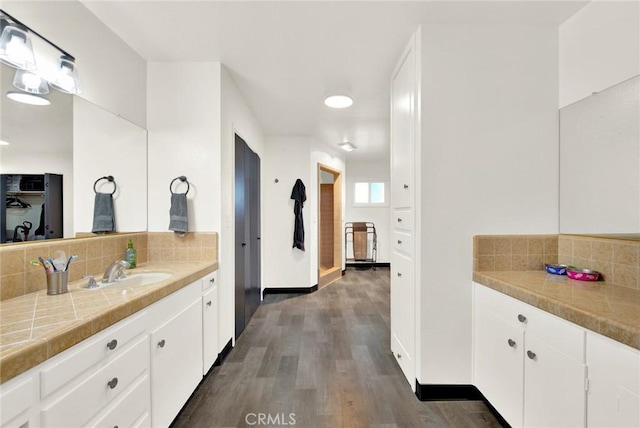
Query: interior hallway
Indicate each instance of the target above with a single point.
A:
(326, 358)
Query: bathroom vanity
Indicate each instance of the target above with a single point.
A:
(124, 357)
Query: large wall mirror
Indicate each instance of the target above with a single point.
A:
(600, 162)
(80, 142)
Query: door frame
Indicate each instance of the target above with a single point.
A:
(335, 272)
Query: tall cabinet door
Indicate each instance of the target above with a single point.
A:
(403, 260)
(53, 215)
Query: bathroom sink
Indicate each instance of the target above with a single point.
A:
(136, 280)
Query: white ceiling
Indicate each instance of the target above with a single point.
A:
(287, 56)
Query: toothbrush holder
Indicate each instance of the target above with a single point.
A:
(57, 282)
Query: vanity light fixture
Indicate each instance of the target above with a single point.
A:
(347, 146)
(27, 98)
(15, 45)
(16, 51)
(338, 101)
(30, 82)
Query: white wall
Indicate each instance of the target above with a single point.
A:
(599, 47)
(286, 159)
(380, 216)
(489, 164)
(113, 76)
(236, 118)
(184, 139)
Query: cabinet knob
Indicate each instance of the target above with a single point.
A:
(112, 344)
(161, 343)
(399, 220)
(209, 303)
(406, 186)
(212, 280)
(399, 274)
(522, 318)
(511, 343)
(399, 356)
(399, 242)
(531, 355)
(113, 382)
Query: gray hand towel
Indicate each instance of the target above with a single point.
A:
(178, 222)
(103, 216)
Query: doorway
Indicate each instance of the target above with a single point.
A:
(329, 225)
(247, 234)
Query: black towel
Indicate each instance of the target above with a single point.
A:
(103, 216)
(298, 194)
(178, 216)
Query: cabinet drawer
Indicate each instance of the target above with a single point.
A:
(128, 410)
(402, 219)
(210, 280)
(89, 397)
(99, 349)
(16, 397)
(403, 241)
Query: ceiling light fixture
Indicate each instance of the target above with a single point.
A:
(347, 146)
(27, 98)
(16, 51)
(338, 101)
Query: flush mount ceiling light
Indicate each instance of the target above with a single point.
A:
(16, 51)
(347, 146)
(30, 82)
(15, 45)
(26, 98)
(338, 101)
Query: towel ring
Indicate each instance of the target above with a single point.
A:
(181, 178)
(108, 178)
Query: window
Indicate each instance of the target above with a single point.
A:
(370, 193)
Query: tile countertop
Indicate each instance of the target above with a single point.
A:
(35, 327)
(607, 309)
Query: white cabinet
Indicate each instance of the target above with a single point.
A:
(613, 399)
(404, 93)
(176, 362)
(17, 401)
(529, 364)
(210, 342)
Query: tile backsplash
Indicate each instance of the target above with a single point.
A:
(95, 254)
(514, 252)
(618, 260)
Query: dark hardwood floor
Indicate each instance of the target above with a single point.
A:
(321, 360)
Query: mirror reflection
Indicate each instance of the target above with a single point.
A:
(74, 142)
(600, 163)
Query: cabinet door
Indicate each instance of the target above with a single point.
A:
(554, 387)
(403, 315)
(209, 329)
(498, 353)
(613, 399)
(403, 97)
(176, 363)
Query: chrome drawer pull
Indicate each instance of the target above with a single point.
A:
(531, 355)
(209, 303)
(521, 318)
(212, 280)
(511, 343)
(112, 345)
(399, 274)
(399, 242)
(406, 186)
(399, 220)
(113, 382)
(161, 343)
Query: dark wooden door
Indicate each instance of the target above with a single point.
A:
(247, 234)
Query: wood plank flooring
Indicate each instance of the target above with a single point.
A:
(321, 360)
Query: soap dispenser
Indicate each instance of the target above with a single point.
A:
(130, 254)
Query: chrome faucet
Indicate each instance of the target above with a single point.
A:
(115, 271)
